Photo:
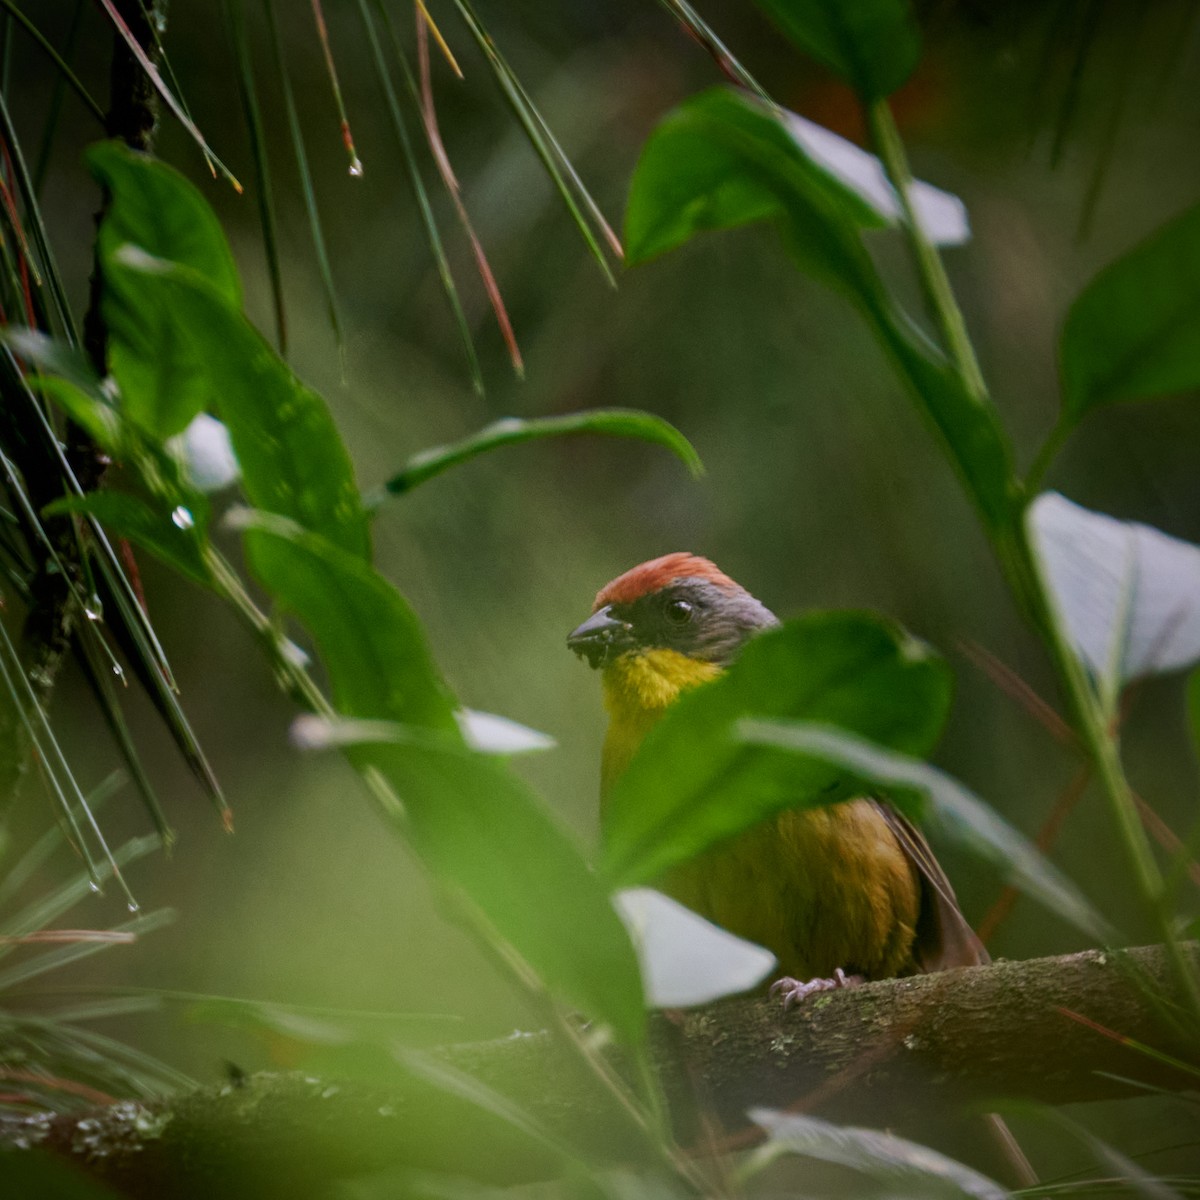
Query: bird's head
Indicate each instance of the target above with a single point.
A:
(677, 605)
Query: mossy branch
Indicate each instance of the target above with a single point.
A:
(886, 1053)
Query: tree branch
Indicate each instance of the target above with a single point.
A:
(875, 1054)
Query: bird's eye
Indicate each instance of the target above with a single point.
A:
(679, 612)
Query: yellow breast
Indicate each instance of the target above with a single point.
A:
(822, 889)
(638, 688)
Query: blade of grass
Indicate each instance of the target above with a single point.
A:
(356, 167)
(18, 273)
(306, 183)
(52, 960)
(152, 73)
(10, 670)
(698, 28)
(64, 72)
(37, 717)
(169, 72)
(37, 228)
(235, 20)
(556, 163)
(61, 83)
(422, 197)
(100, 681)
(423, 98)
(133, 629)
(32, 859)
(431, 25)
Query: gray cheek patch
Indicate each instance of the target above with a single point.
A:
(727, 622)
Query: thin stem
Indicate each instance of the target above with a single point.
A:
(1018, 561)
(1100, 743)
(1046, 455)
(939, 296)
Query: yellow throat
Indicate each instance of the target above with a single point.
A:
(638, 689)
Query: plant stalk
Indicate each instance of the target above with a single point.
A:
(1017, 558)
(935, 284)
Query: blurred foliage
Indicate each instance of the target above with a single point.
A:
(1067, 131)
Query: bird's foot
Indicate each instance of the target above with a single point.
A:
(795, 990)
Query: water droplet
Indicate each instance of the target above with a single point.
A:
(119, 671)
(181, 518)
(356, 167)
(134, 906)
(93, 887)
(94, 609)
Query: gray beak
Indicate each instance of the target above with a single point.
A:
(601, 638)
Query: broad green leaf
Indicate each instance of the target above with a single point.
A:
(685, 959)
(1135, 331)
(693, 782)
(724, 159)
(484, 835)
(874, 45)
(902, 1166)
(869, 767)
(292, 459)
(369, 638)
(155, 209)
(176, 539)
(510, 431)
(1127, 595)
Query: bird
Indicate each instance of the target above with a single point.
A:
(841, 894)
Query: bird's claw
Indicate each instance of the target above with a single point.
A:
(795, 990)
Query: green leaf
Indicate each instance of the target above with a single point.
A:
(1127, 595)
(899, 1165)
(292, 459)
(480, 830)
(56, 357)
(866, 766)
(485, 834)
(1134, 333)
(724, 159)
(510, 431)
(175, 539)
(371, 642)
(99, 419)
(155, 209)
(693, 783)
(874, 45)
